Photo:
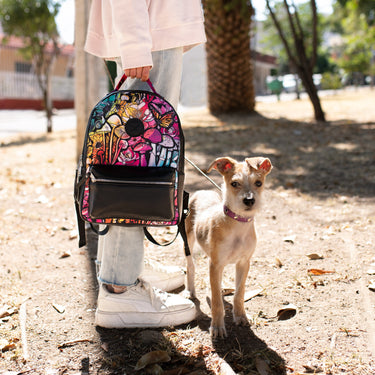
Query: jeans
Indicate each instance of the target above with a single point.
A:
(121, 250)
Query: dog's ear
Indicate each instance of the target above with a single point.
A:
(262, 164)
(222, 165)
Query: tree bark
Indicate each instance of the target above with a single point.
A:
(44, 69)
(229, 65)
(312, 92)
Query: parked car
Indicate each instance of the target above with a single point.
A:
(290, 81)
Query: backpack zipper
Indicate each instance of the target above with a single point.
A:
(107, 180)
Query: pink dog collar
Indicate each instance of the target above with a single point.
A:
(232, 215)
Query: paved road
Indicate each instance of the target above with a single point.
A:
(14, 122)
(29, 121)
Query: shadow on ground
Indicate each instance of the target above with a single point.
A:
(314, 158)
(191, 348)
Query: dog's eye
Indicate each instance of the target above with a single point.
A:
(235, 184)
(258, 183)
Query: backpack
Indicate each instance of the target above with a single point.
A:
(131, 170)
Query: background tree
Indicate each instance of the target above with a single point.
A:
(34, 22)
(355, 21)
(271, 43)
(301, 46)
(229, 65)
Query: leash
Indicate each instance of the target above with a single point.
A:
(204, 174)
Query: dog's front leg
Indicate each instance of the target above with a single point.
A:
(239, 314)
(190, 274)
(217, 306)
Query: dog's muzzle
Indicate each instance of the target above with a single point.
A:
(249, 200)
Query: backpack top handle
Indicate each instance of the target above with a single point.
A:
(123, 79)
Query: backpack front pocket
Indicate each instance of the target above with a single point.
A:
(117, 192)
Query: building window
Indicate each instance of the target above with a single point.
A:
(23, 67)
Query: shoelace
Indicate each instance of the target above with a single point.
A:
(154, 293)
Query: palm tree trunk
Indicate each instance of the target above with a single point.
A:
(229, 65)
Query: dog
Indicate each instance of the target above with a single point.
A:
(224, 229)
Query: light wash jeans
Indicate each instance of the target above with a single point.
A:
(121, 251)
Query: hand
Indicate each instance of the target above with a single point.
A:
(142, 73)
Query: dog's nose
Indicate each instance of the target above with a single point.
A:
(249, 201)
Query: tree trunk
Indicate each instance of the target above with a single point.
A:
(312, 92)
(298, 92)
(229, 66)
(44, 68)
(48, 101)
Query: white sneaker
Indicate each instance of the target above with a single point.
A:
(142, 306)
(163, 277)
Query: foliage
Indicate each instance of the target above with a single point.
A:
(331, 81)
(273, 43)
(355, 20)
(34, 22)
(272, 39)
(324, 63)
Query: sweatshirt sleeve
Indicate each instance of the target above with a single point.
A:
(132, 28)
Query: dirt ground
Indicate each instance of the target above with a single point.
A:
(318, 214)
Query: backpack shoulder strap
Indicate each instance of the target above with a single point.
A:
(81, 227)
(181, 227)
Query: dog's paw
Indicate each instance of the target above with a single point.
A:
(216, 331)
(241, 320)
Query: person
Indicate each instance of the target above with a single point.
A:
(147, 39)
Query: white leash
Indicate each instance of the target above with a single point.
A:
(204, 174)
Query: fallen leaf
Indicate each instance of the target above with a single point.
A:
(66, 254)
(7, 311)
(287, 312)
(315, 256)
(73, 234)
(6, 345)
(317, 272)
(290, 239)
(252, 293)
(262, 366)
(227, 291)
(278, 262)
(371, 286)
(150, 358)
(59, 308)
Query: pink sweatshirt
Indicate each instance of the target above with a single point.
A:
(132, 29)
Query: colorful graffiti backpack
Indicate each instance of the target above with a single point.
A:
(131, 171)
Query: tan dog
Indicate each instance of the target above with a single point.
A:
(224, 228)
